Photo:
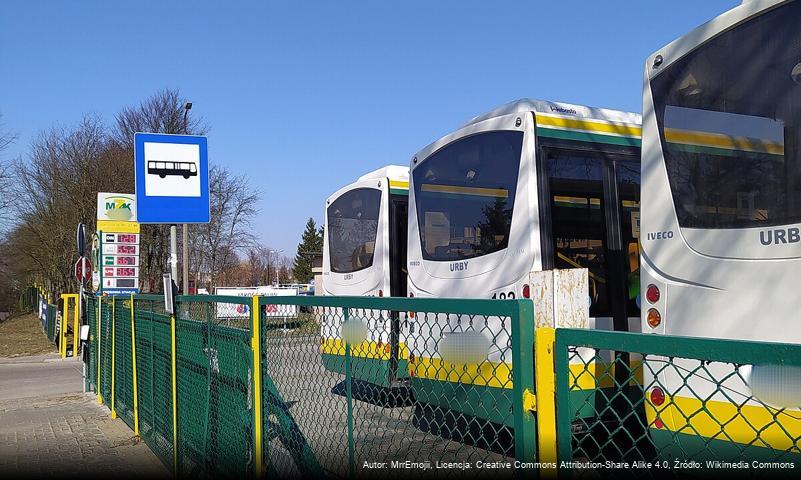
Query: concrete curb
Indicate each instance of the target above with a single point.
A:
(46, 358)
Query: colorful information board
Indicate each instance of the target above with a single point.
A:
(117, 267)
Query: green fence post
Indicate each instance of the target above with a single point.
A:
(99, 348)
(173, 369)
(134, 376)
(564, 436)
(523, 380)
(113, 357)
(349, 396)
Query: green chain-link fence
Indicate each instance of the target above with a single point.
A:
(351, 386)
(356, 386)
(51, 319)
(214, 386)
(308, 402)
(29, 299)
(674, 406)
(154, 375)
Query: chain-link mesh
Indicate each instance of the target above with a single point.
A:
(52, 319)
(154, 375)
(90, 306)
(424, 387)
(677, 408)
(105, 349)
(372, 391)
(123, 366)
(214, 378)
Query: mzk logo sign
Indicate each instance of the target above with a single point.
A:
(119, 208)
(116, 207)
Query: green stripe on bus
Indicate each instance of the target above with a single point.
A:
(398, 191)
(588, 137)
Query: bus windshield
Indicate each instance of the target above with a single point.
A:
(352, 229)
(464, 196)
(728, 116)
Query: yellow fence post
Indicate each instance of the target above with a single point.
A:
(76, 325)
(133, 368)
(174, 399)
(545, 378)
(99, 346)
(256, 347)
(62, 335)
(113, 356)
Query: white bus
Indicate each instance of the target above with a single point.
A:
(364, 254)
(528, 187)
(721, 209)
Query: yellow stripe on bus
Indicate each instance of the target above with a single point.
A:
(398, 184)
(728, 142)
(489, 374)
(498, 374)
(480, 192)
(622, 129)
(745, 424)
(336, 346)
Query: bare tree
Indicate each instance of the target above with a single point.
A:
(55, 189)
(6, 190)
(215, 244)
(285, 271)
(55, 186)
(162, 112)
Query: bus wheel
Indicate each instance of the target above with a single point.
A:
(162, 175)
(186, 176)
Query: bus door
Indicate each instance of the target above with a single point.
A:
(398, 224)
(627, 177)
(581, 227)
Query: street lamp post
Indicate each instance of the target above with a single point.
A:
(270, 262)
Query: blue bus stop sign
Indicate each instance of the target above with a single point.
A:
(172, 178)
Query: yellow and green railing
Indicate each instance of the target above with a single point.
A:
(238, 386)
(705, 403)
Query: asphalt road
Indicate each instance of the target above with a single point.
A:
(39, 376)
(315, 399)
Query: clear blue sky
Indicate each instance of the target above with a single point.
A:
(306, 96)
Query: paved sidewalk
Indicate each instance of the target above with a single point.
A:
(49, 428)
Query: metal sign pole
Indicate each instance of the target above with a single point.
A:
(174, 251)
(185, 265)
